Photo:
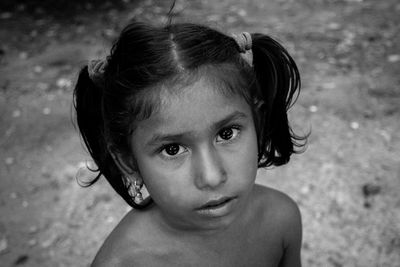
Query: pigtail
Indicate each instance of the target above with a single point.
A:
(88, 100)
(278, 82)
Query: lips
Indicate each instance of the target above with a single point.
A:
(217, 208)
(214, 204)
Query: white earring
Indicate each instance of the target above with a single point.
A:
(134, 191)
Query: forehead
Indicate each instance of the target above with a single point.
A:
(227, 79)
(193, 108)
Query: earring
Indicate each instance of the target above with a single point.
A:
(134, 191)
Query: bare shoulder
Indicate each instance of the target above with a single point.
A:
(281, 213)
(282, 217)
(283, 208)
(121, 246)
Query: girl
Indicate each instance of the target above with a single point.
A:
(191, 113)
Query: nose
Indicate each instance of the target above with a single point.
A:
(209, 169)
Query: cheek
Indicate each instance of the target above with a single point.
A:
(163, 185)
(250, 147)
(244, 164)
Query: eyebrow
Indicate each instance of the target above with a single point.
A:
(159, 137)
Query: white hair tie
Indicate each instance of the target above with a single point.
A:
(245, 43)
(96, 70)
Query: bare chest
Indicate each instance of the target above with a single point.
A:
(250, 251)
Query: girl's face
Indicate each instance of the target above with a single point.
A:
(197, 156)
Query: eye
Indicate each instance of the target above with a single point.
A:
(228, 134)
(172, 150)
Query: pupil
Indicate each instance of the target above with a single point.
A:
(227, 134)
(172, 150)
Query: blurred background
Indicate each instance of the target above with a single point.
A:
(347, 183)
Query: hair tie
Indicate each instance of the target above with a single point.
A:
(96, 70)
(245, 43)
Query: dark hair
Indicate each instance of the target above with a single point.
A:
(145, 56)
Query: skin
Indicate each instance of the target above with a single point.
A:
(202, 146)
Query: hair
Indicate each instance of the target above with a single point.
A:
(146, 57)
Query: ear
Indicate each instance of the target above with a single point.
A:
(127, 165)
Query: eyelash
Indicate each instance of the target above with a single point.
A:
(162, 150)
(167, 156)
(233, 128)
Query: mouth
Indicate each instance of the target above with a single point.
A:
(213, 204)
(217, 207)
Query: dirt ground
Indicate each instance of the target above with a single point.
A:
(347, 183)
